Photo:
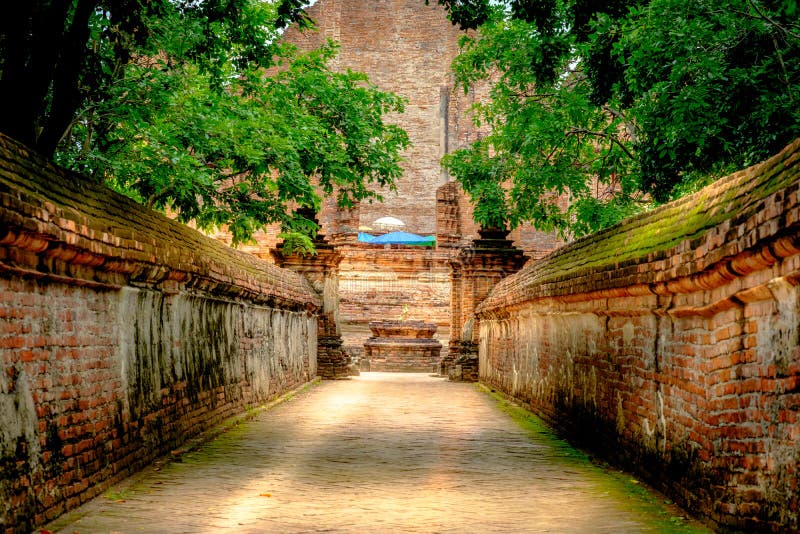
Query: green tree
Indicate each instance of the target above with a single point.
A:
(201, 111)
(547, 140)
(714, 86)
(617, 105)
(56, 54)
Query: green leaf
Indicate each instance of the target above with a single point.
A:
(201, 131)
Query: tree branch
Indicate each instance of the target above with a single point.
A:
(66, 88)
(629, 126)
(535, 96)
(613, 139)
(771, 21)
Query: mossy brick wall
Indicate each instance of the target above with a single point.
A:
(670, 343)
(122, 334)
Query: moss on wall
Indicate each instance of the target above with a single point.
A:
(122, 334)
(679, 239)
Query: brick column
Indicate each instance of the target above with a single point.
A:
(344, 226)
(474, 273)
(322, 270)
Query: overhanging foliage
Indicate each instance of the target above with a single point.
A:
(600, 110)
(196, 108)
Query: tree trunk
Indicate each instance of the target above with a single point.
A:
(41, 62)
(66, 94)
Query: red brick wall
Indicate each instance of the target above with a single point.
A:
(123, 333)
(671, 343)
(535, 243)
(378, 284)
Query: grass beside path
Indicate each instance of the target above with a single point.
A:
(640, 499)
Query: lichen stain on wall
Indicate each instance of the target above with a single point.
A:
(20, 451)
(206, 344)
(778, 334)
(527, 369)
(107, 372)
(778, 345)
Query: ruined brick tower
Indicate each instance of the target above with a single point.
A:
(406, 47)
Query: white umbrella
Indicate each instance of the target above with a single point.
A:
(388, 223)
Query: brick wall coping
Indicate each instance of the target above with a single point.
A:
(60, 225)
(742, 223)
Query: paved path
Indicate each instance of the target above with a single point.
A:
(380, 453)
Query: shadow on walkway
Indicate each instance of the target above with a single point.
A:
(380, 453)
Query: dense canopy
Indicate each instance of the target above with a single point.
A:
(597, 110)
(610, 107)
(196, 108)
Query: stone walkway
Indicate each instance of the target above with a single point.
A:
(380, 453)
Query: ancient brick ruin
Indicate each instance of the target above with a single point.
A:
(405, 47)
(402, 346)
(321, 269)
(474, 273)
(401, 54)
(669, 344)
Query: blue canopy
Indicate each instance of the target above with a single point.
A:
(398, 238)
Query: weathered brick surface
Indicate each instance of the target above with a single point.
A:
(449, 212)
(402, 346)
(670, 342)
(122, 333)
(405, 47)
(475, 271)
(322, 270)
(391, 283)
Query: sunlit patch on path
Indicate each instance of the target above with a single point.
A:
(381, 453)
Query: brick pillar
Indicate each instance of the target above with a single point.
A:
(345, 225)
(448, 231)
(474, 273)
(322, 270)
